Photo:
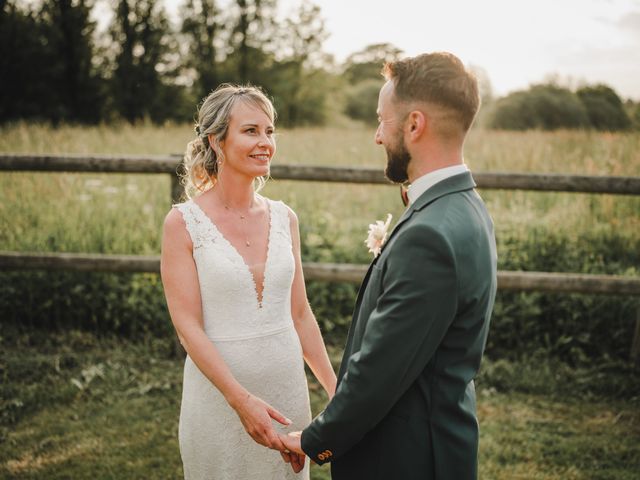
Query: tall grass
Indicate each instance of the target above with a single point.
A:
(117, 213)
(118, 419)
(73, 406)
(123, 213)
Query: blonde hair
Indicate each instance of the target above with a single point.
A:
(201, 160)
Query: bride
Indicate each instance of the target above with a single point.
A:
(233, 281)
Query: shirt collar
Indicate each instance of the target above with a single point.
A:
(422, 184)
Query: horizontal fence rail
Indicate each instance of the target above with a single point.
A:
(169, 164)
(331, 272)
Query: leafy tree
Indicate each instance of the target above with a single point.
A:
(362, 71)
(299, 82)
(545, 107)
(23, 91)
(367, 63)
(248, 45)
(362, 101)
(251, 38)
(604, 107)
(144, 68)
(74, 84)
(633, 111)
(202, 26)
(46, 53)
(302, 35)
(138, 69)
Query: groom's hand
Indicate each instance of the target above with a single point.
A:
(292, 442)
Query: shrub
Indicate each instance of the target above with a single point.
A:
(130, 305)
(604, 107)
(362, 101)
(544, 107)
(575, 328)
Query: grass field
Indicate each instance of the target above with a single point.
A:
(79, 407)
(75, 405)
(123, 213)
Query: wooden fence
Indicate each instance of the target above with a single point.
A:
(523, 281)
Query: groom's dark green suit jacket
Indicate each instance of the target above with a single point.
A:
(405, 403)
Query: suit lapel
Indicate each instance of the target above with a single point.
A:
(457, 183)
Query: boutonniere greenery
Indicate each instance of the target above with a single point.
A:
(377, 235)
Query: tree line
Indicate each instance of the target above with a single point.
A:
(58, 65)
(551, 106)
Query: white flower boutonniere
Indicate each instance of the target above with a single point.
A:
(377, 235)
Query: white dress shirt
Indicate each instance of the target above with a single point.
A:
(423, 183)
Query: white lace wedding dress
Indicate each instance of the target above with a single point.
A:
(259, 344)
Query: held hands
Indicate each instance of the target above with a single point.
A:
(255, 415)
(293, 453)
(292, 442)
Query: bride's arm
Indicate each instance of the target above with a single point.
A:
(182, 291)
(313, 348)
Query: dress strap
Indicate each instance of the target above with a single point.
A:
(280, 218)
(199, 228)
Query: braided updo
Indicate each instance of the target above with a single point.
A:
(201, 159)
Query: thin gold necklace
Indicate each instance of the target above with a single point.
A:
(242, 217)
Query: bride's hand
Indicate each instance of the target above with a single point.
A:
(295, 460)
(294, 454)
(255, 415)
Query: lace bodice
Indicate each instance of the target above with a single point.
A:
(230, 312)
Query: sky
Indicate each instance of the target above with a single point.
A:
(516, 42)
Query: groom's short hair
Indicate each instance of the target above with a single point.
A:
(439, 79)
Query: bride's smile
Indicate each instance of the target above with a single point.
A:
(250, 143)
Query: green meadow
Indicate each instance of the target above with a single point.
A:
(123, 213)
(76, 407)
(90, 375)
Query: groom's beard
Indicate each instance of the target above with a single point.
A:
(397, 163)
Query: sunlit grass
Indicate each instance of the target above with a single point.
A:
(123, 423)
(75, 406)
(123, 213)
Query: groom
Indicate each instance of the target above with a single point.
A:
(405, 404)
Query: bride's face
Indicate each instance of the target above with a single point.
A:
(250, 143)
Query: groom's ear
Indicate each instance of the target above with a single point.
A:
(416, 124)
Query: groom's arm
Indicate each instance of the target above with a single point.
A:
(416, 307)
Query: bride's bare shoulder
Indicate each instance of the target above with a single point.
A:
(174, 226)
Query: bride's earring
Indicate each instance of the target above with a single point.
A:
(219, 157)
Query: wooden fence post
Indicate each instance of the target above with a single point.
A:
(176, 189)
(635, 344)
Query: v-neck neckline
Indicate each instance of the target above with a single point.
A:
(258, 296)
